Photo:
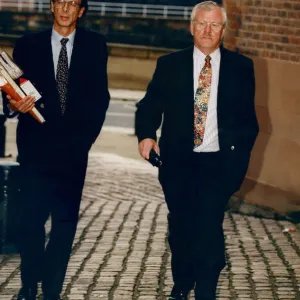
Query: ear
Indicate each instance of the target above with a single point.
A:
(192, 28)
(82, 9)
(223, 32)
(52, 6)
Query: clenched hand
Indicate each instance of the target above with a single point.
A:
(145, 147)
(22, 106)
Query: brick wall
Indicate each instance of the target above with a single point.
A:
(264, 28)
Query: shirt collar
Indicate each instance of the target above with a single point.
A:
(215, 56)
(56, 37)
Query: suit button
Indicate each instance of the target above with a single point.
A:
(42, 105)
(232, 148)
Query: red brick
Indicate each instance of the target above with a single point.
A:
(244, 10)
(276, 21)
(256, 36)
(257, 2)
(274, 54)
(287, 5)
(266, 37)
(261, 28)
(233, 10)
(268, 4)
(293, 15)
(294, 40)
(281, 13)
(257, 19)
(295, 58)
(279, 47)
(278, 5)
(296, 6)
(264, 53)
(267, 20)
(260, 45)
(262, 12)
(248, 18)
(284, 30)
(253, 10)
(284, 56)
(272, 12)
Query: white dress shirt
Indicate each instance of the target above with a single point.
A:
(211, 139)
(56, 46)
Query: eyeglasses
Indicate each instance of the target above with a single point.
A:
(216, 27)
(70, 3)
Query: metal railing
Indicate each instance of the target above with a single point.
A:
(105, 8)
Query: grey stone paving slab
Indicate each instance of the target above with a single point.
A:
(120, 249)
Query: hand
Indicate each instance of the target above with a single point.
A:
(23, 106)
(145, 147)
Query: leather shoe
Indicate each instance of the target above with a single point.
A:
(27, 293)
(179, 294)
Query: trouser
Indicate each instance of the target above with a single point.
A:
(44, 193)
(196, 196)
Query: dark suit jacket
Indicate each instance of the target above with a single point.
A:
(68, 138)
(171, 94)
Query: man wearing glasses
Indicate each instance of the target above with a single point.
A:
(206, 96)
(67, 65)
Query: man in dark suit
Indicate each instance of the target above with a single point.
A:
(68, 66)
(206, 96)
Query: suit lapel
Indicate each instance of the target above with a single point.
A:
(47, 55)
(48, 71)
(187, 74)
(76, 71)
(186, 77)
(224, 89)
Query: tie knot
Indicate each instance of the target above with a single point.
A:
(64, 41)
(207, 59)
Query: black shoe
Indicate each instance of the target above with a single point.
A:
(27, 293)
(179, 294)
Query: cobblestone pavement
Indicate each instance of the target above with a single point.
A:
(121, 253)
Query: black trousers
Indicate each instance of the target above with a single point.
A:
(196, 193)
(52, 191)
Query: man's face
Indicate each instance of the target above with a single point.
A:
(208, 29)
(66, 13)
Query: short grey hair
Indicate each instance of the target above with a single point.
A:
(208, 5)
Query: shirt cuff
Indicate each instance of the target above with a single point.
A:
(11, 112)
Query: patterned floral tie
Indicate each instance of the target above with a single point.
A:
(62, 75)
(201, 102)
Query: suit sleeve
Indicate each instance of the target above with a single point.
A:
(7, 112)
(150, 108)
(102, 102)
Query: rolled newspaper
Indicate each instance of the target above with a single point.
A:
(8, 64)
(16, 93)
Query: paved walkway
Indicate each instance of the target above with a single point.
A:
(121, 252)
